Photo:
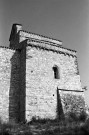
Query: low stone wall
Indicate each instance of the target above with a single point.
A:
(72, 101)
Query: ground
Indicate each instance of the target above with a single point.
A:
(49, 127)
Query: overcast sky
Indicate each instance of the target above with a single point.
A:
(66, 20)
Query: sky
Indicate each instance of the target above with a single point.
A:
(66, 20)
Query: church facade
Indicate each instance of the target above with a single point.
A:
(38, 78)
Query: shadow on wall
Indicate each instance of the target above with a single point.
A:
(60, 113)
(17, 87)
(17, 93)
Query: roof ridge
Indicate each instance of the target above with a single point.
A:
(41, 35)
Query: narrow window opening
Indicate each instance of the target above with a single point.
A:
(56, 72)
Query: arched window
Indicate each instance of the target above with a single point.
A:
(56, 72)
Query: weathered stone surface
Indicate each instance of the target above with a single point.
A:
(5, 76)
(41, 86)
(28, 84)
(9, 84)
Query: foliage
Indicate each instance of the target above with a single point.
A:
(74, 116)
(43, 121)
(47, 127)
(83, 116)
(14, 128)
(73, 103)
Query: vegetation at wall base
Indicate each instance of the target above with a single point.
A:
(72, 126)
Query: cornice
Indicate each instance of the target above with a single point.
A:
(45, 41)
(38, 36)
(50, 47)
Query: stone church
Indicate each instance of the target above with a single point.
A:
(38, 78)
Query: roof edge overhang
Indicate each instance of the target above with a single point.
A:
(29, 35)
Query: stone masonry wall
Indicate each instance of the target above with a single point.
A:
(41, 86)
(28, 87)
(9, 84)
(5, 76)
